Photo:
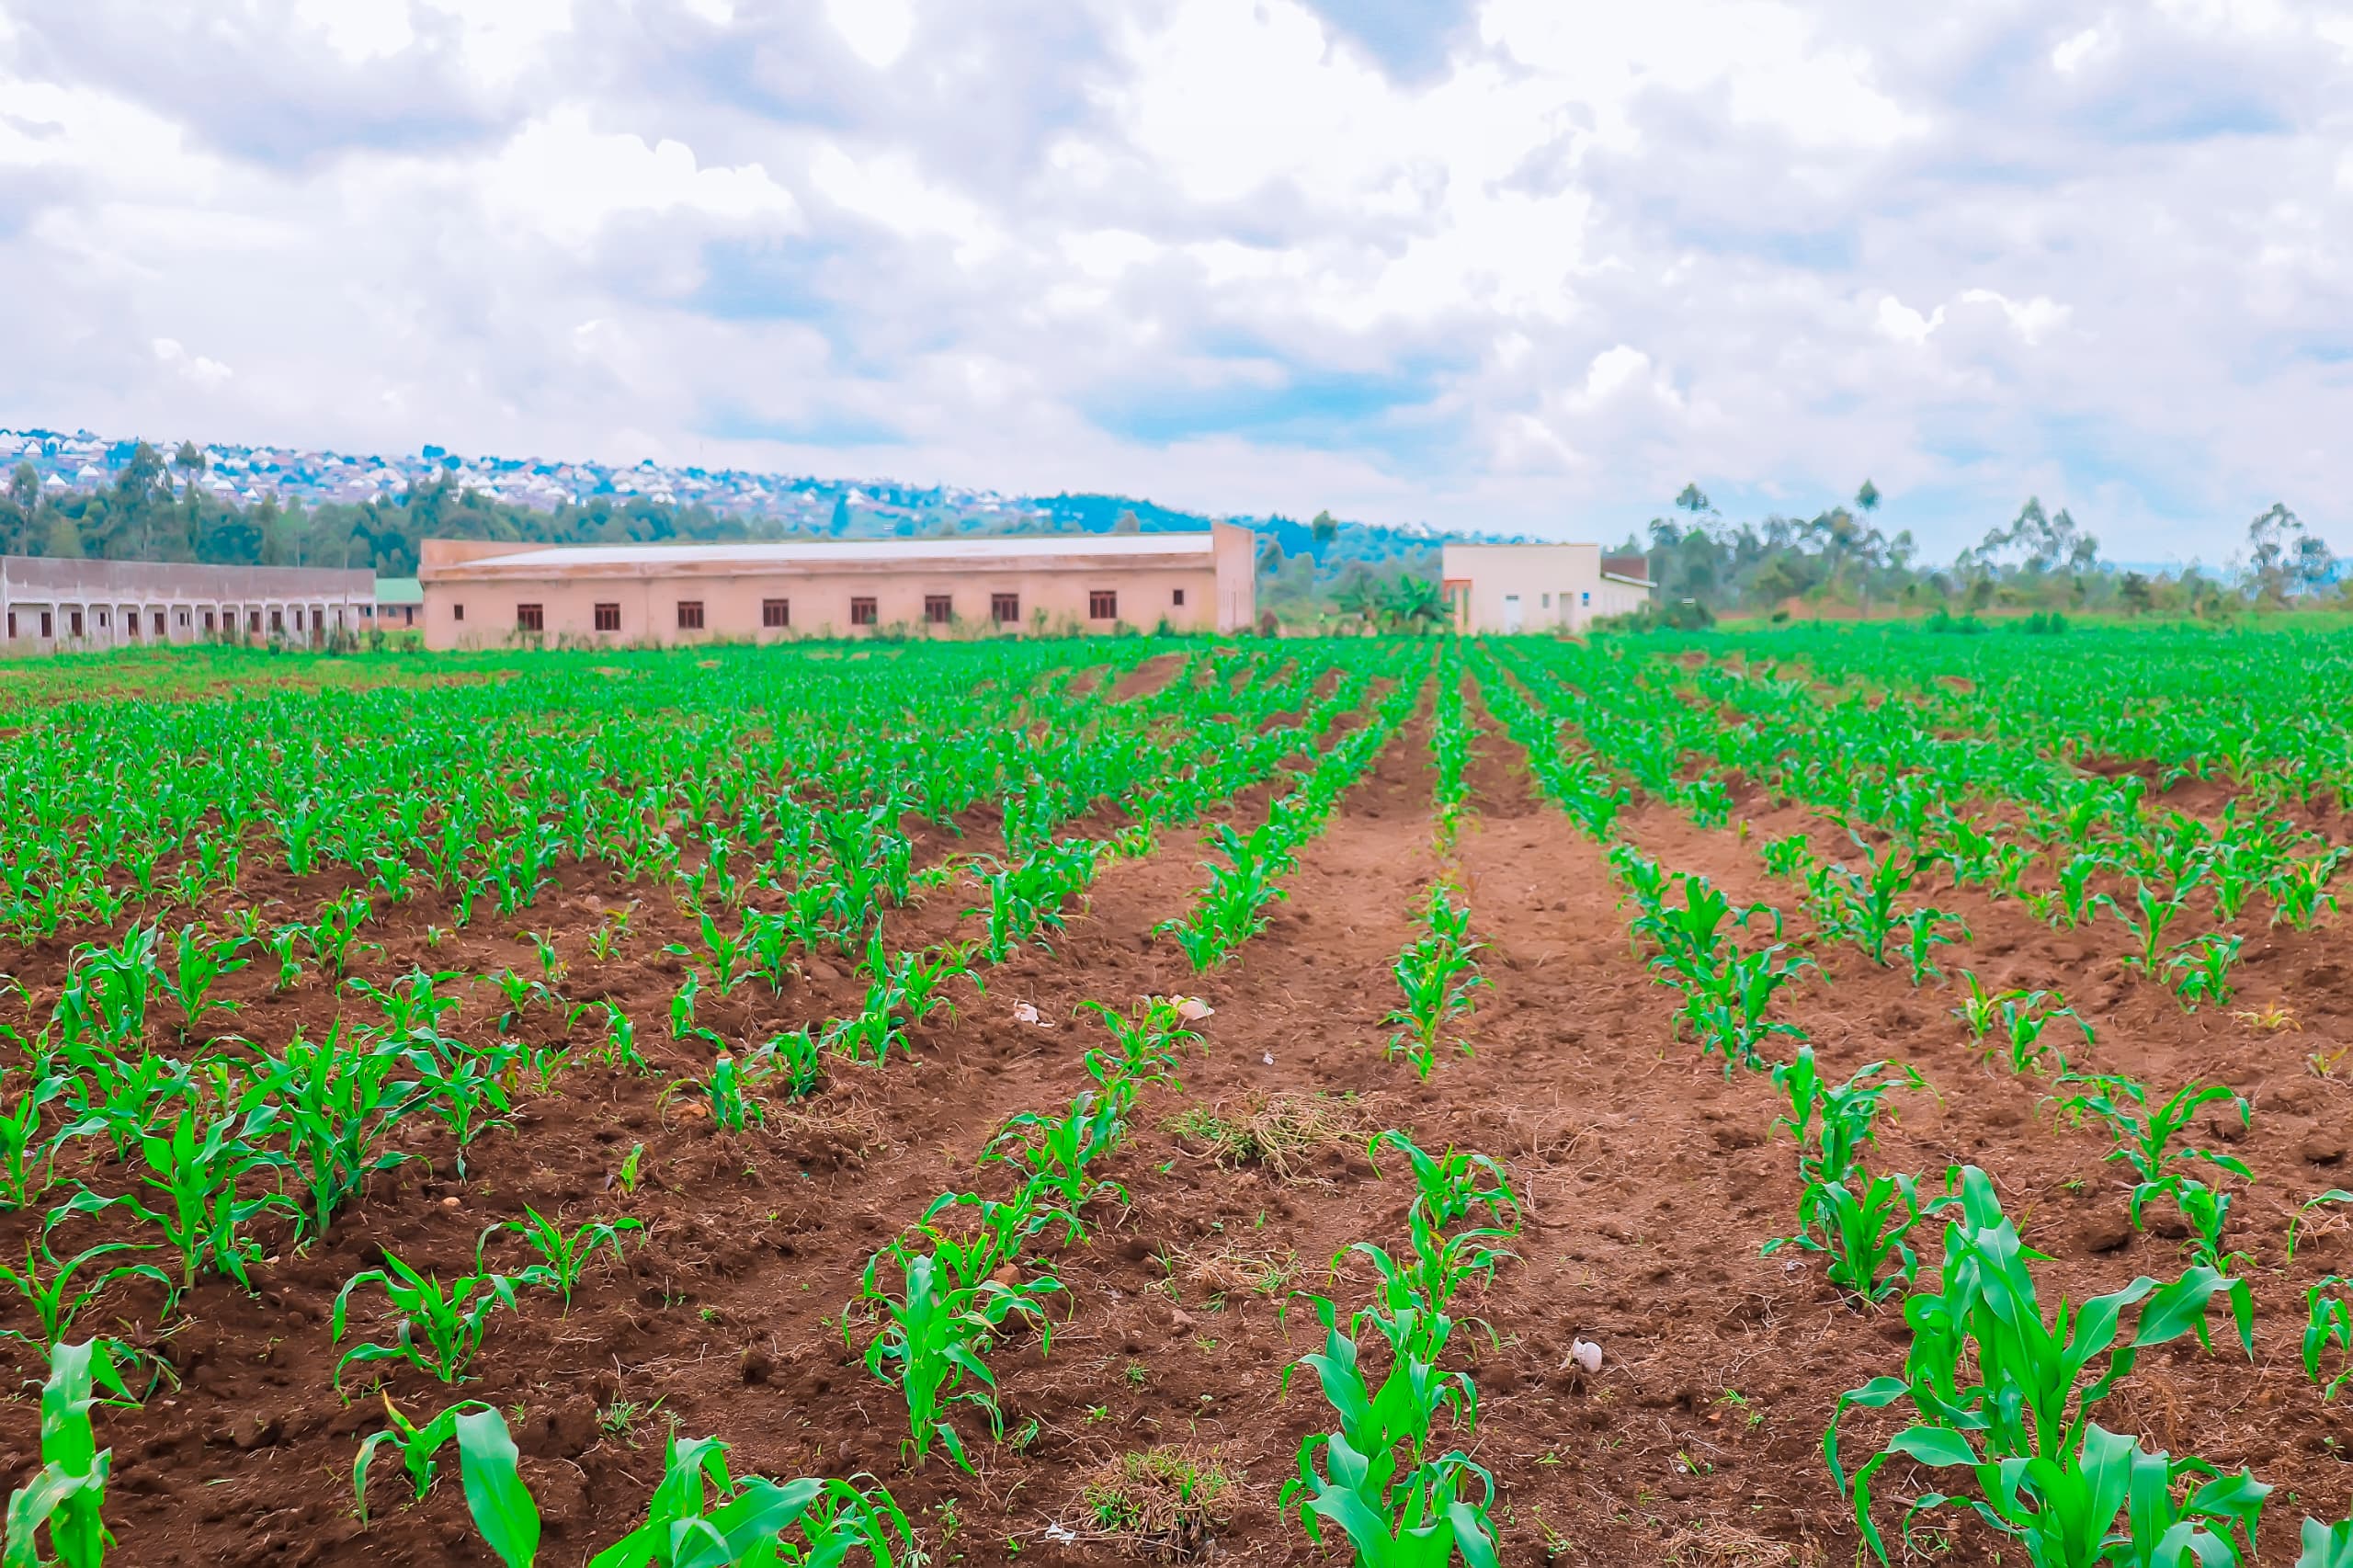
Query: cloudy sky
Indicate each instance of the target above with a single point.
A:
(1527, 264)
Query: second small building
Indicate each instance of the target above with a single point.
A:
(481, 594)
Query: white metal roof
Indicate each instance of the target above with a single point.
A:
(850, 549)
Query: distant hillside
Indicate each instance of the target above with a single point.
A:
(82, 495)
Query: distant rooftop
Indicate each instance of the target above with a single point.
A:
(876, 550)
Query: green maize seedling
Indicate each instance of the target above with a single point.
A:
(1832, 1124)
(1986, 1371)
(1396, 1507)
(2328, 1322)
(2200, 969)
(1925, 930)
(2105, 1501)
(338, 1103)
(25, 1155)
(936, 1333)
(700, 1515)
(1437, 972)
(2144, 1137)
(1056, 1150)
(563, 1257)
(440, 1330)
(461, 1085)
(418, 1446)
(412, 1006)
(1862, 1233)
(46, 1282)
(2156, 915)
(202, 963)
(2296, 1224)
(193, 1168)
(67, 1497)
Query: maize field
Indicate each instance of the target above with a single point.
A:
(1808, 1097)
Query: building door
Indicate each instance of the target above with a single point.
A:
(1511, 613)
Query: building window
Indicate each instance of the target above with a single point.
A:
(457, 613)
(48, 627)
(608, 618)
(1586, 598)
(1548, 601)
(159, 621)
(690, 615)
(1005, 608)
(318, 618)
(102, 621)
(862, 612)
(530, 618)
(277, 621)
(207, 620)
(408, 614)
(12, 626)
(132, 622)
(1177, 598)
(1102, 604)
(253, 620)
(937, 610)
(776, 612)
(74, 621)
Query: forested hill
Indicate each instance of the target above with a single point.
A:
(132, 502)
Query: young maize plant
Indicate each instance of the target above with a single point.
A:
(25, 1155)
(338, 1101)
(66, 1499)
(1862, 1233)
(2328, 1322)
(938, 1327)
(46, 1282)
(1380, 1483)
(1054, 1151)
(202, 964)
(1437, 971)
(464, 1086)
(193, 1167)
(2200, 969)
(1230, 910)
(2148, 933)
(106, 994)
(1833, 1123)
(440, 1329)
(700, 1515)
(2144, 1137)
(1396, 1505)
(1999, 1389)
(1144, 1048)
(562, 1258)
(2016, 1020)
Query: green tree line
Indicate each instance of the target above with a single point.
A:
(1705, 567)
(159, 510)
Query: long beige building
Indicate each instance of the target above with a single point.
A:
(1507, 589)
(482, 593)
(51, 605)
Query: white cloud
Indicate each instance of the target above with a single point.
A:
(886, 188)
(2068, 55)
(878, 31)
(204, 372)
(1213, 251)
(1901, 323)
(2034, 320)
(570, 180)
